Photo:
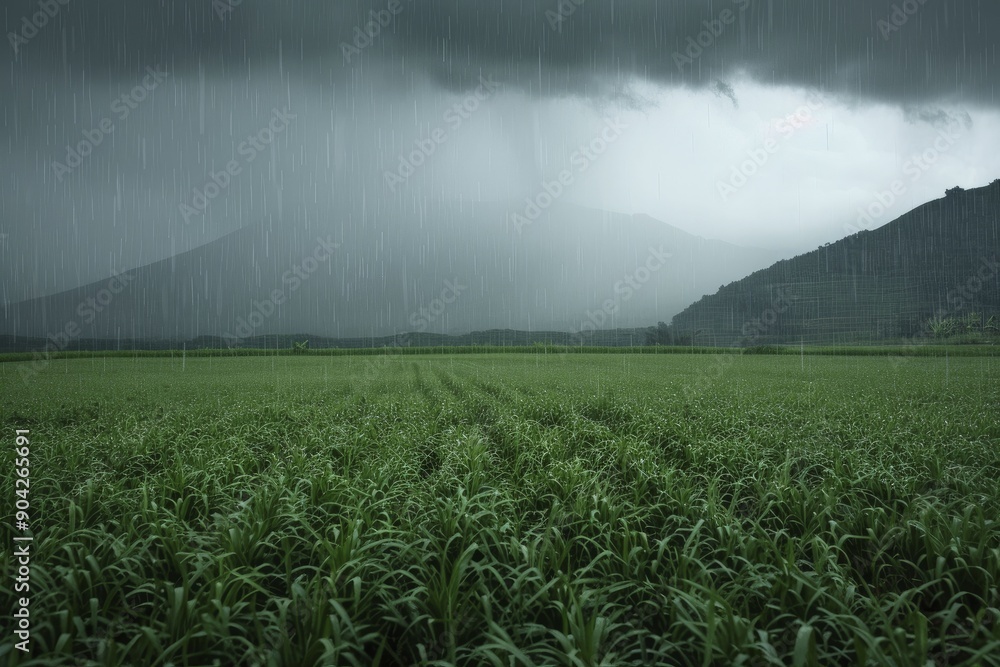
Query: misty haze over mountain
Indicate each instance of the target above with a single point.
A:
(570, 269)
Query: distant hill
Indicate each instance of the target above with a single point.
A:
(429, 268)
(940, 260)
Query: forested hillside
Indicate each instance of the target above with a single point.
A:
(936, 263)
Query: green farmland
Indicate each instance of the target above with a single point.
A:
(508, 510)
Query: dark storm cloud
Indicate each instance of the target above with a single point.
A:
(885, 50)
(908, 52)
(723, 89)
(937, 117)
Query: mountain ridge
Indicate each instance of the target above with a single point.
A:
(938, 260)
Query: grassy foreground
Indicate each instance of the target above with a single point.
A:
(508, 510)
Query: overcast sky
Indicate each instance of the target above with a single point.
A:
(829, 101)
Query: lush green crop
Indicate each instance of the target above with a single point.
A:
(544, 509)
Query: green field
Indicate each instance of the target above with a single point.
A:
(508, 510)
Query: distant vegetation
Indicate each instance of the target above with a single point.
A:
(763, 349)
(967, 327)
(923, 350)
(971, 329)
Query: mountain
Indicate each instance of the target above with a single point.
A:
(937, 261)
(378, 271)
